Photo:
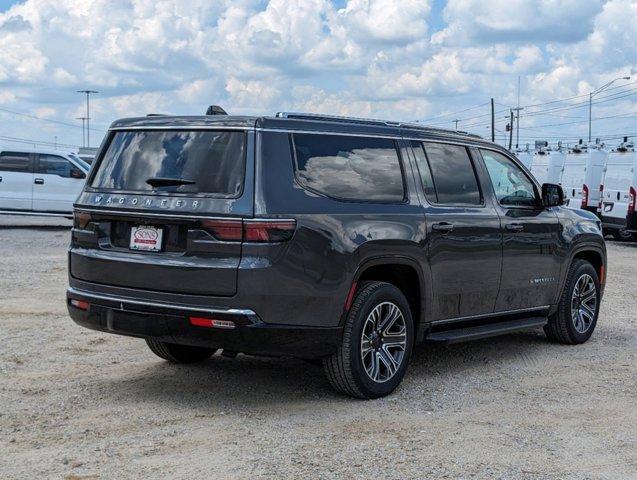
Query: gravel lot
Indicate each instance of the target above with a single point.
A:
(81, 404)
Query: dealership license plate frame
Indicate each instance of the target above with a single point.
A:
(146, 238)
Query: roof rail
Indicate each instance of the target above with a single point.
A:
(370, 121)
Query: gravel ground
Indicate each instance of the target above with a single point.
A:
(81, 404)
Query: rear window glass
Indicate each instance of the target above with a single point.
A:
(348, 167)
(454, 179)
(209, 162)
(15, 162)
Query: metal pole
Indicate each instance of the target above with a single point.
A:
(456, 122)
(83, 134)
(492, 121)
(590, 115)
(88, 116)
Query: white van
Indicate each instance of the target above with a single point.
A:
(40, 181)
(582, 177)
(526, 157)
(547, 166)
(619, 193)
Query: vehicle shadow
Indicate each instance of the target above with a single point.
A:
(246, 382)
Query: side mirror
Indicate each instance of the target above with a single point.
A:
(552, 195)
(77, 173)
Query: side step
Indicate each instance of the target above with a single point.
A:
(484, 331)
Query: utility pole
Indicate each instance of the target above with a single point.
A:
(88, 115)
(511, 130)
(492, 121)
(83, 137)
(517, 126)
(456, 122)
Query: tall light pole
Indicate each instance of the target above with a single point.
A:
(83, 134)
(590, 103)
(88, 115)
(456, 122)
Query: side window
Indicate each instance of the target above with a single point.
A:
(348, 167)
(512, 186)
(54, 165)
(454, 178)
(424, 171)
(15, 162)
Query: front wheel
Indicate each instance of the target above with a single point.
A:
(576, 317)
(377, 343)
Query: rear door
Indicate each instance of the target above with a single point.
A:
(16, 180)
(617, 183)
(573, 177)
(464, 247)
(56, 183)
(530, 261)
(163, 211)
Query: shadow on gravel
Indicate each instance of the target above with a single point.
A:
(246, 382)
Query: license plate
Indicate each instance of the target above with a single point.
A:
(146, 238)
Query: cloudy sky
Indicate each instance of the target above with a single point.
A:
(427, 60)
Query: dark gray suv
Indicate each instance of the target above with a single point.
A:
(324, 238)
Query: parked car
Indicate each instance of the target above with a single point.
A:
(617, 209)
(40, 181)
(325, 238)
(582, 177)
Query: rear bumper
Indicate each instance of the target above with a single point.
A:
(170, 323)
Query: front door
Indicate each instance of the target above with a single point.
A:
(16, 181)
(56, 184)
(464, 246)
(530, 256)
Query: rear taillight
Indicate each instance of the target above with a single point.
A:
(81, 219)
(211, 323)
(251, 230)
(632, 199)
(584, 196)
(600, 204)
(80, 304)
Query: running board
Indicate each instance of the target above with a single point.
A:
(484, 331)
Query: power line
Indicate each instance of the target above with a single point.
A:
(35, 142)
(454, 113)
(48, 120)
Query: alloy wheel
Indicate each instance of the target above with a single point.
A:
(584, 303)
(383, 342)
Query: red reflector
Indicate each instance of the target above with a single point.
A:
(268, 231)
(584, 196)
(350, 297)
(602, 274)
(211, 322)
(81, 219)
(81, 304)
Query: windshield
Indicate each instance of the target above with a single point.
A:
(155, 161)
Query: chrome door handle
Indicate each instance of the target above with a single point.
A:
(515, 227)
(39, 181)
(442, 227)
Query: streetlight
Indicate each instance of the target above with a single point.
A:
(590, 103)
(88, 116)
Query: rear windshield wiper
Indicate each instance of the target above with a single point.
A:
(167, 181)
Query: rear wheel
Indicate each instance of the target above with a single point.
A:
(377, 343)
(623, 235)
(179, 353)
(578, 308)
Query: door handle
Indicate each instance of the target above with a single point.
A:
(515, 227)
(39, 181)
(442, 227)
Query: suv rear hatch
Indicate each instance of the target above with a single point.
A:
(163, 210)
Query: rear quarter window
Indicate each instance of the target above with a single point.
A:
(349, 167)
(15, 162)
(209, 162)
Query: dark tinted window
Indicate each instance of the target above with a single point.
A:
(512, 186)
(210, 161)
(15, 162)
(54, 165)
(425, 171)
(354, 168)
(453, 175)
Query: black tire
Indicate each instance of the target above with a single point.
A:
(562, 326)
(179, 353)
(345, 369)
(621, 235)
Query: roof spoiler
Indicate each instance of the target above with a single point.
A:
(215, 110)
